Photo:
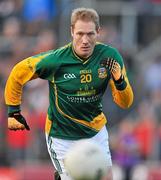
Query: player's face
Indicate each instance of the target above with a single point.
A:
(84, 35)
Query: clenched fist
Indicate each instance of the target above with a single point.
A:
(17, 122)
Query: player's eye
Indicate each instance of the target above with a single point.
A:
(80, 34)
(90, 34)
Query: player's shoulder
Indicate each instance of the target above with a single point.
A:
(43, 55)
(105, 47)
(54, 53)
(63, 50)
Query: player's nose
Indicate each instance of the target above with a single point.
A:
(85, 39)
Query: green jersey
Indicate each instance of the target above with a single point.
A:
(76, 88)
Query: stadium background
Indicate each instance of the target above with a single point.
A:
(28, 27)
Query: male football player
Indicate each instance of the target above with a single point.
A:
(78, 75)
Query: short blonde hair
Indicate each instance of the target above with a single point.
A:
(85, 14)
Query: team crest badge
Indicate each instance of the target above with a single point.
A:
(102, 73)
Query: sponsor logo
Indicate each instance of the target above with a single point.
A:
(82, 99)
(102, 72)
(69, 76)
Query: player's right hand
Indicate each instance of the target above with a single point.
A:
(17, 122)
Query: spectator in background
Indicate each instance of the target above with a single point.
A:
(145, 130)
(14, 44)
(125, 147)
(11, 32)
(110, 35)
(46, 40)
(11, 28)
(152, 76)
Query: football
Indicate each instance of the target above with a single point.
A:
(86, 161)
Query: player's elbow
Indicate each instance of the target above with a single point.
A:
(128, 104)
(125, 104)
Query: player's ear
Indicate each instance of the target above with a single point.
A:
(98, 30)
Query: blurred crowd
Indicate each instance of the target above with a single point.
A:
(28, 28)
(25, 30)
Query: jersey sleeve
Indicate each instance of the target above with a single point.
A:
(122, 96)
(22, 72)
(122, 93)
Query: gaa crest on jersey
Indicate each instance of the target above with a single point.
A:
(102, 72)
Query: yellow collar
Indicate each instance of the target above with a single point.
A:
(81, 59)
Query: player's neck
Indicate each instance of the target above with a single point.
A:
(80, 57)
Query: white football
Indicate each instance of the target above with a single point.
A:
(86, 161)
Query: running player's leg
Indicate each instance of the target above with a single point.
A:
(103, 140)
(57, 149)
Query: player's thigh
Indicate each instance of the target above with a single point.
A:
(57, 149)
(102, 139)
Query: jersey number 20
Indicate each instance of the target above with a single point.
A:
(86, 78)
